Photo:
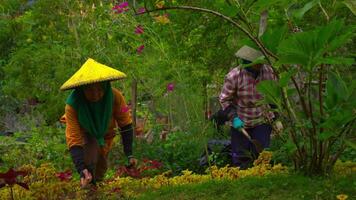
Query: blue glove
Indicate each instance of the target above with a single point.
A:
(237, 123)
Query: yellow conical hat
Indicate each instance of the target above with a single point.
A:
(92, 72)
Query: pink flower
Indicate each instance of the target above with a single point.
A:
(125, 109)
(140, 49)
(141, 10)
(122, 7)
(170, 87)
(124, 4)
(139, 30)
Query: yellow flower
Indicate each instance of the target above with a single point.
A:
(162, 19)
(159, 4)
(342, 197)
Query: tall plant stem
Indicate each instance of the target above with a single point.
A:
(244, 16)
(321, 110)
(206, 151)
(312, 133)
(324, 12)
(292, 115)
(301, 98)
(347, 128)
(12, 193)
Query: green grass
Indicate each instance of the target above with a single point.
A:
(291, 187)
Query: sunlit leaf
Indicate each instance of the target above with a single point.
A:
(351, 4)
(300, 12)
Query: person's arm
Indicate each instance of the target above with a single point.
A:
(122, 116)
(75, 142)
(227, 95)
(127, 139)
(275, 113)
(228, 91)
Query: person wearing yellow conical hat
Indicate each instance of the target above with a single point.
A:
(93, 110)
(239, 100)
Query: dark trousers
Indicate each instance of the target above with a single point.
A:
(243, 151)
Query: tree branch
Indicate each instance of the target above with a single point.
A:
(265, 51)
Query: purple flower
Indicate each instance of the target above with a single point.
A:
(139, 30)
(122, 7)
(141, 10)
(170, 87)
(140, 49)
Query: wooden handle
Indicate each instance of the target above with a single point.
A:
(246, 134)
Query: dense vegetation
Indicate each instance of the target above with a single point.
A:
(188, 46)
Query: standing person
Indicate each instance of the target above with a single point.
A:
(238, 99)
(93, 110)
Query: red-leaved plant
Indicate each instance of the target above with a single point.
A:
(136, 172)
(10, 178)
(65, 176)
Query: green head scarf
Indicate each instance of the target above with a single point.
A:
(94, 117)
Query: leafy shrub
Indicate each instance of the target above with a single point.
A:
(40, 145)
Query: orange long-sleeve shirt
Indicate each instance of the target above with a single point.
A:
(75, 133)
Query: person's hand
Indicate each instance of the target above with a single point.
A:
(133, 161)
(86, 178)
(237, 123)
(278, 126)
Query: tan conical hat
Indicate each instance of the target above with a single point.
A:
(248, 53)
(92, 72)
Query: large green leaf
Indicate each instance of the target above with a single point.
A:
(271, 91)
(326, 135)
(273, 36)
(300, 49)
(308, 48)
(290, 146)
(336, 90)
(336, 61)
(300, 12)
(337, 119)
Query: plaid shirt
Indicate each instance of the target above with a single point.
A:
(239, 89)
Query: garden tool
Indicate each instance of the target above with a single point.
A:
(259, 147)
(237, 123)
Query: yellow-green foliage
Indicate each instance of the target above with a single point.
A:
(44, 184)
